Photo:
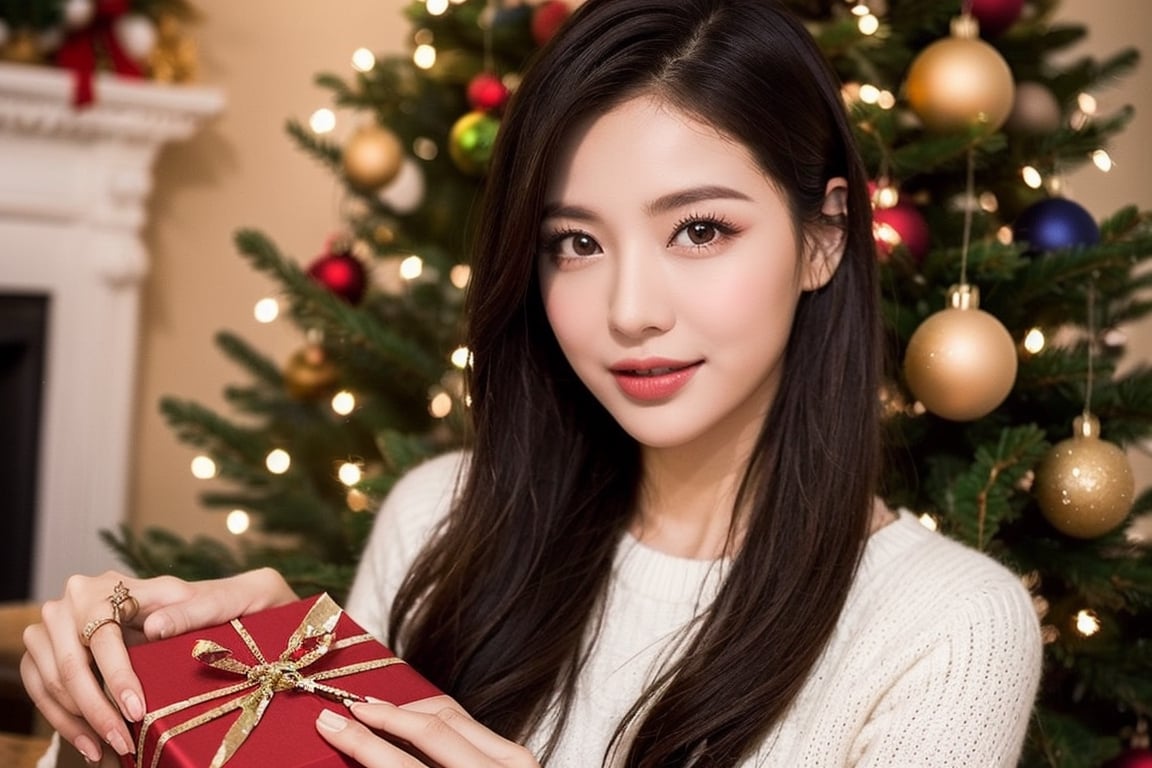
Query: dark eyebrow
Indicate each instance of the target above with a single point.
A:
(662, 204)
(671, 202)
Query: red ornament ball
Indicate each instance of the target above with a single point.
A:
(900, 225)
(996, 16)
(1134, 758)
(342, 274)
(547, 19)
(487, 93)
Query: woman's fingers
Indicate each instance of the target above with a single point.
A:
(363, 746)
(437, 728)
(69, 678)
(64, 720)
(213, 602)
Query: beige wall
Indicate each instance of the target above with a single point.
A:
(243, 171)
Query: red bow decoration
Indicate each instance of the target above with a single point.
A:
(84, 50)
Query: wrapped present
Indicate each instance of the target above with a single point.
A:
(248, 693)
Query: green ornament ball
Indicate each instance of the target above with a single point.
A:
(470, 142)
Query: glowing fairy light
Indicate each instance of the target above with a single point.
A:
(424, 56)
(436, 7)
(1102, 160)
(278, 461)
(989, 203)
(461, 357)
(1086, 102)
(861, 9)
(363, 60)
(343, 402)
(322, 120)
(1031, 177)
(411, 268)
(266, 310)
(350, 473)
(203, 468)
(886, 100)
(869, 94)
(357, 500)
(237, 522)
(868, 24)
(1005, 235)
(928, 522)
(460, 275)
(440, 405)
(886, 196)
(1034, 341)
(1087, 622)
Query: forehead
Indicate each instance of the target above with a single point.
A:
(646, 144)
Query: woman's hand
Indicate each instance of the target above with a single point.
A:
(437, 727)
(63, 677)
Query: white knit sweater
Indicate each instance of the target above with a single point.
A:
(934, 662)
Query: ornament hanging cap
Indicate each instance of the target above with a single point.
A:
(965, 27)
(1086, 425)
(963, 296)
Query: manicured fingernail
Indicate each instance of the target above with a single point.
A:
(116, 741)
(374, 700)
(133, 707)
(331, 721)
(164, 627)
(88, 748)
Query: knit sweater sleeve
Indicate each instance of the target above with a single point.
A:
(405, 521)
(966, 694)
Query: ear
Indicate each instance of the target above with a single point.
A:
(824, 240)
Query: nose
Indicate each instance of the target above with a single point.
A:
(640, 302)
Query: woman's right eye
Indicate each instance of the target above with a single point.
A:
(572, 245)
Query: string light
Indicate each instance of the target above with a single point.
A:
(424, 56)
(203, 468)
(436, 7)
(460, 275)
(363, 60)
(350, 473)
(861, 9)
(1034, 341)
(343, 402)
(266, 310)
(1087, 622)
(1005, 235)
(989, 202)
(411, 268)
(928, 522)
(1102, 160)
(322, 120)
(461, 357)
(868, 24)
(1031, 177)
(1087, 103)
(440, 405)
(278, 461)
(357, 500)
(237, 522)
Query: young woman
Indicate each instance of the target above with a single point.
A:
(662, 547)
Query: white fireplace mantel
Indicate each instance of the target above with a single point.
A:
(74, 185)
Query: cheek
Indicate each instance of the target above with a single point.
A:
(743, 302)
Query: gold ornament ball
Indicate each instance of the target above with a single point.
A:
(959, 83)
(960, 363)
(471, 140)
(372, 158)
(1084, 485)
(310, 374)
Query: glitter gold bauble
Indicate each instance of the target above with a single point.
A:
(1084, 485)
(372, 158)
(310, 374)
(471, 140)
(961, 362)
(960, 83)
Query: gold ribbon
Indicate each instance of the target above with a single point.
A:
(312, 639)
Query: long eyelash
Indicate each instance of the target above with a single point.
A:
(724, 225)
(549, 242)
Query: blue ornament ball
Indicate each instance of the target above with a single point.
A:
(1055, 223)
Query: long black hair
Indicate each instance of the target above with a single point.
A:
(499, 609)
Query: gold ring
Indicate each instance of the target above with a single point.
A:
(92, 627)
(124, 606)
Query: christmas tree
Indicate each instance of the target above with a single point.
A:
(1005, 404)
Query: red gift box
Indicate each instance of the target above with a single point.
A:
(257, 684)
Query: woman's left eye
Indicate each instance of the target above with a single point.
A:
(698, 233)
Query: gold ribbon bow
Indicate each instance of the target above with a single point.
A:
(312, 639)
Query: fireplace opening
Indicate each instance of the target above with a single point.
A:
(23, 342)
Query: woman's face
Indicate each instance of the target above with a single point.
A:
(670, 270)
